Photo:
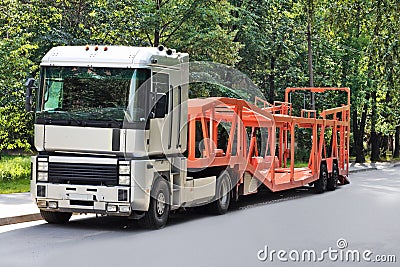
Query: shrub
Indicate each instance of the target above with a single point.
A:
(15, 168)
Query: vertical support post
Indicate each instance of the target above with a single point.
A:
(347, 136)
(240, 135)
(342, 147)
(314, 148)
(232, 133)
(192, 137)
(215, 132)
(292, 140)
(280, 146)
(285, 142)
(272, 148)
(321, 142)
(205, 135)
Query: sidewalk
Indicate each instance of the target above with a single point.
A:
(362, 167)
(19, 207)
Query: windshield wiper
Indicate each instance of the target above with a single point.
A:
(70, 117)
(99, 116)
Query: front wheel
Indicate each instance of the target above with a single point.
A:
(157, 215)
(223, 195)
(55, 217)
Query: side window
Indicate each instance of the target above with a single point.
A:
(53, 95)
(161, 93)
(161, 82)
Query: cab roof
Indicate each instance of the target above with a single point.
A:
(111, 56)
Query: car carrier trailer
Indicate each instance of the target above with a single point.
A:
(117, 135)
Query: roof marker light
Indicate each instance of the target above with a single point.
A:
(96, 48)
(105, 48)
(87, 48)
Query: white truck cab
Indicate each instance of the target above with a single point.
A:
(110, 129)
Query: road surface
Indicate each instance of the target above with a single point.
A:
(362, 219)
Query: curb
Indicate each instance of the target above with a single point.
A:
(20, 219)
(364, 170)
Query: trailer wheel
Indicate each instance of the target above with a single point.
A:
(55, 217)
(157, 215)
(223, 195)
(321, 183)
(333, 180)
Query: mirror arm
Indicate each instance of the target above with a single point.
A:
(28, 94)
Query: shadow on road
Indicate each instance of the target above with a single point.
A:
(262, 198)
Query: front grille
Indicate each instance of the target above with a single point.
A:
(83, 174)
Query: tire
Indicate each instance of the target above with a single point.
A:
(223, 195)
(321, 183)
(333, 179)
(55, 217)
(157, 215)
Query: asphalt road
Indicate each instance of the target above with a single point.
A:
(363, 216)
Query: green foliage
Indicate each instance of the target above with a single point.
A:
(355, 44)
(15, 168)
(15, 186)
(15, 124)
(31, 28)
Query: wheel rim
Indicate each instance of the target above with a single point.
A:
(335, 176)
(223, 193)
(160, 204)
(324, 178)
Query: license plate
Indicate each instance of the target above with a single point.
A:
(83, 197)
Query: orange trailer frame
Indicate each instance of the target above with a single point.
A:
(273, 163)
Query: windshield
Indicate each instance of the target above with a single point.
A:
(80, 95)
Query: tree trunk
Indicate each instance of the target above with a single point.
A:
(309, 46)
(358, 137)
(371, 75)
(271, 80)
(157, 30)
(156, 38)
(375, 139)
(384, 146)
(396, 153)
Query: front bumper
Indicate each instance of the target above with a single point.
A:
(84, 199)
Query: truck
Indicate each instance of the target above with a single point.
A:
(117, 135)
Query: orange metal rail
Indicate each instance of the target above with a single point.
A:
(261, 141)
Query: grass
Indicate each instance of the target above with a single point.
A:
(15, 173)
(300, 164)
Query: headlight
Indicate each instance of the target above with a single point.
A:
(124, 180)
(42, 176)
(124, 169)
(43, 166)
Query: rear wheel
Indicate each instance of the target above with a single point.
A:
(321, 183)
(333, 180)
(223, 195)
(55, 217)
(157, 215)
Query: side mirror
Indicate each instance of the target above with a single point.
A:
(30, 85)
